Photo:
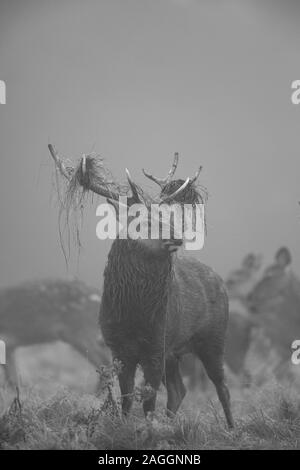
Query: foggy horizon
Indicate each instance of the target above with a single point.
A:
(136, 81)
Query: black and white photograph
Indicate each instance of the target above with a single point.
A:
(150, 228)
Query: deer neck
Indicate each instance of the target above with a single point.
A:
(136, 283)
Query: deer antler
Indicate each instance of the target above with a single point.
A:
(66, 172)
(163, 181)
(169, 197)
(83, 174)
(196, 175)
(135, 194)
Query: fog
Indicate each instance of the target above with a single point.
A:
(136, 81)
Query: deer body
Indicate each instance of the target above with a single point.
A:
(275, 302)
(240, 323)
(155, 309)
(49, 311)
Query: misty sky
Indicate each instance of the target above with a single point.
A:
(137, 80)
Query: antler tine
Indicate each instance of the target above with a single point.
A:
(163, 181)
(59, 163)
(169, 197)
(159, 181)
(196, 174)
(173, 168)
(83, 165)
(132, 185)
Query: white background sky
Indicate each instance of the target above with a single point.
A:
(137, 80)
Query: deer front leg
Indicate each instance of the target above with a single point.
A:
(126, 382)
(153, 372)
(175, 387)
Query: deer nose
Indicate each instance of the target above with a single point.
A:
(172, 245)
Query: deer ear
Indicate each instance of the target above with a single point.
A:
(283, 257)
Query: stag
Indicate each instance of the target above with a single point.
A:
(35, 313)
(241, 323)
(156, 307)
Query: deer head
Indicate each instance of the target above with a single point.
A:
(88, 178)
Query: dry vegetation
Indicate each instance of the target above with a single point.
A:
(267, 417)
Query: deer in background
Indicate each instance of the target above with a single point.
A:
(48, 311)
(240, 283)
(275, 302)
(155, 307)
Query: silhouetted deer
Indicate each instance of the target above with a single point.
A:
(240, 283)
(156, 307)
(46, 311)
(275, 301)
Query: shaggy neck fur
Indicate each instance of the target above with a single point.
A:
(136, 282)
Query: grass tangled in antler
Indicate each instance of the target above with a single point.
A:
(193, 194)
(77, 189)
(73, 193)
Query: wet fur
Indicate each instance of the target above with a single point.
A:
(157, 307)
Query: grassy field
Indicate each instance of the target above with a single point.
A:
(58, 417)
